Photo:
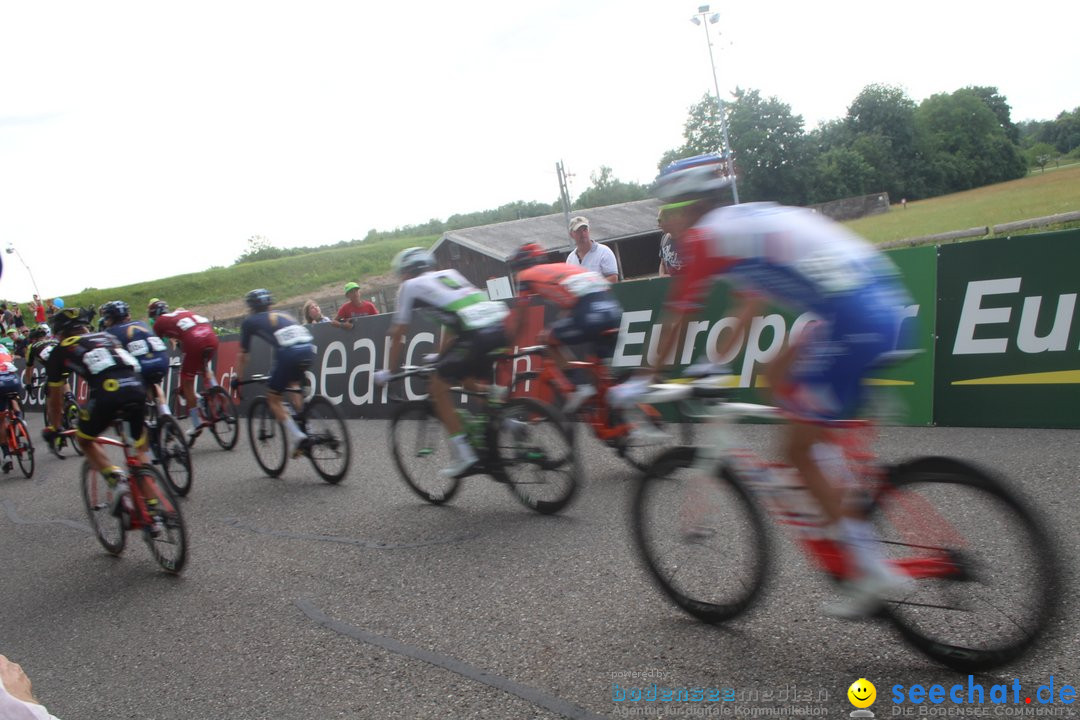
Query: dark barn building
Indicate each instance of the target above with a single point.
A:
(629, 229)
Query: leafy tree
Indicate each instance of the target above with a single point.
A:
(1040, 154)
(607, 190)
(770, 148)
(841, 172)
(997, 102)
(881, 123)
(965, 143)
(702, 132)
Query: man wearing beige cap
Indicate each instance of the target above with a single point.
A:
(589, 254)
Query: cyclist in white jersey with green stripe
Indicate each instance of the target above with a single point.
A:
(474, 328)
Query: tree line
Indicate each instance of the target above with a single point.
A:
(885, 143)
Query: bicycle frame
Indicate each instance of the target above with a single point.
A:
(913, 516)
(596, 411)
(140, 517)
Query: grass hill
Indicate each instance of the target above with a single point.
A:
(321, 274)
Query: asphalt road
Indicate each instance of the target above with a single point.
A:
(305, 600)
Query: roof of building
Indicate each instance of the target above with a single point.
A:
(501, 240)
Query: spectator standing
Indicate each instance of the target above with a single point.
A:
(355, 307)
(39, 311)
(17, 316)
(312, 313)
(590, 254)
(6, 316)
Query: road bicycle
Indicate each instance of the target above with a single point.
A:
(17, 439)
(69, 418)
(612, 426)
(151, 508)
(984, 576)
(521, 442)
(168, 446)
(327, 446)
(218, 412)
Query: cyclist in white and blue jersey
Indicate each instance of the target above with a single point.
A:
(806, 262)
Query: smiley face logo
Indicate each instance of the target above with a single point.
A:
(862, 693)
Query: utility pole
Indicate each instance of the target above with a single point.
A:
(704, 20)
(564, 193)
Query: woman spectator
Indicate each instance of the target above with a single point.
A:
(312, 313)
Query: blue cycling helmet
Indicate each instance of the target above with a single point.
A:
(693, 178)
(259, 299)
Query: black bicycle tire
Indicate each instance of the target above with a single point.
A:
(174, 524)
(331, 477)
(98, 511)
(230, 441)
(520, 488)
(168, 425)
(1046, 589)
(426, 412)
(709, 612)
(28, 451)
(259, 413)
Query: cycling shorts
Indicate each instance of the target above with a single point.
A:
(199, 350)
(825, 382)
(121, 397)
(470, 355)
(590, 322)
(10, 386)
(154, 371)
(289, 366)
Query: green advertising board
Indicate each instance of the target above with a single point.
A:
(769, 333)
(1009, 350)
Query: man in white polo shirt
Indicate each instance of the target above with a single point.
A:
(589, 254)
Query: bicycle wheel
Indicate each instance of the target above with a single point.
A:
(223, 412)
(328, 439)
(24, 447)
(421, 449)
(97, 498)
(267, 437)
(535, 454)
(658, 435)
(985, 573)
(169, 545)
(174, 454)
(71, 419)
(701, 537)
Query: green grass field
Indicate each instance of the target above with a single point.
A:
(1039, 194)
(287, 277)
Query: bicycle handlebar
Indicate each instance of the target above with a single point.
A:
(408, 371)
(251, 380)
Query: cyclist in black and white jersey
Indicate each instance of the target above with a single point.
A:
(474, 329)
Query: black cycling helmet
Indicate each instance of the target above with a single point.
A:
(156, 308)
(39, 332)
(115, 311)
(71, 319)
(259, 299)
(526, 256)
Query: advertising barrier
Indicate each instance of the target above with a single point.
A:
(1009, 346)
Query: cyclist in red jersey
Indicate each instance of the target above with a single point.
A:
(588, 311)
(198, 343)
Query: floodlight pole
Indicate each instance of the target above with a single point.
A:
(702, 18)
(11, 249)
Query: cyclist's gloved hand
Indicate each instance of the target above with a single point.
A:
(627, 393)
(49, 433)
(430, 358)
(381, 377)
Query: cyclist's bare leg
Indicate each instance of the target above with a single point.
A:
(800, 439)
(277, 403)
(187, 387)
(444, 406)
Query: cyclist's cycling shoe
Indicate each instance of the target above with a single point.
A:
(577, 398)
(157, 521)
(7, 465)
(863, 596)
(460, 465)
(646, 434)
(302, 447)
(121, 494)
(192, 433)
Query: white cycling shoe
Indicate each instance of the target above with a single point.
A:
(863, 596)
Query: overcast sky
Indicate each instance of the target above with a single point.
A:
(145, 139)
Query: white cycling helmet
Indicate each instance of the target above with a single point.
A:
(412, 261)
(691, 178)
